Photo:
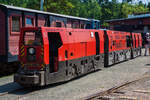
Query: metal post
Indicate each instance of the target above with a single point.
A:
(42, 2)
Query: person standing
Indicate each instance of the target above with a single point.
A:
(146, 44)
(148, 39)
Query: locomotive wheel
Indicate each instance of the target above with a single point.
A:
(70, 72)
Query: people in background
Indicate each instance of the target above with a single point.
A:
(147, 43)
(148, 39)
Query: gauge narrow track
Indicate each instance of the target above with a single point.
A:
(114, 89)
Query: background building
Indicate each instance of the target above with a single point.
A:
(134, 23)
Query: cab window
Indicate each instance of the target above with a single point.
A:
(32, 38)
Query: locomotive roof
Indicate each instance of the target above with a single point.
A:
(43, 12)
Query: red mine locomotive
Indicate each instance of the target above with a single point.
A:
(51, 55)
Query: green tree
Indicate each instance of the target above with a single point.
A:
(91, 9)
(128, 9)
(110, 10)
(21, 3)
(97, 9)
(58, 6)
(148, 6)
(33, 4)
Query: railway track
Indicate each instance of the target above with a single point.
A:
(108, 94)
(105, 95)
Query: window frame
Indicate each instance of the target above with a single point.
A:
(33, 21)
(42, 42)
(10, 21)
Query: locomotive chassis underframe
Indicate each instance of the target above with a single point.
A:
(121, 55)
(67, 70)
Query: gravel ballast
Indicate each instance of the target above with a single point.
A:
(86, 85)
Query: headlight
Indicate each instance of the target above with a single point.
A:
(31, 51)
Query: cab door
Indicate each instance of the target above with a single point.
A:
(97, 43)
(54, 43)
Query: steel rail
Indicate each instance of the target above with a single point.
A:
(114, 89)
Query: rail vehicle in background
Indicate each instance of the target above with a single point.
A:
(51, 55)
(13, 18)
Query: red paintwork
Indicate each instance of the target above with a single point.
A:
(134, 39)
(101, 35)
(14, 36)
(10, 22)
(80, 43)
(140, 38)
(2, 34)
(117, 40)
(137, 41)
(41, 20)
(39, 59)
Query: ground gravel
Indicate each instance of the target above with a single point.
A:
(87, 85)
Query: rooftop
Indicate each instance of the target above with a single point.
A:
(43, 12)
(134, 16)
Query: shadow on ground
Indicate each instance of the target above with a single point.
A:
(16, 89)
(9, 87)
(147, 64)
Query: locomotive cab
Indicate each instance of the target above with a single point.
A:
(38, 55)
(31, 57)
(32, 52)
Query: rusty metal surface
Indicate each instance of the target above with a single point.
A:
(138, 89)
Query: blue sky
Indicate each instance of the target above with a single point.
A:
(144, 1)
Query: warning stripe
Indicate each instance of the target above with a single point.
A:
(22, 50)
(42, 65)
(22, 47)
(22, 54)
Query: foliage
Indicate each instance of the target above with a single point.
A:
(97, 9)
(127, 9)
(33, 4)
(21, 3)
(58, 6)
(88, 9)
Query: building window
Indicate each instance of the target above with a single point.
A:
(29, 21)
(15, 24)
